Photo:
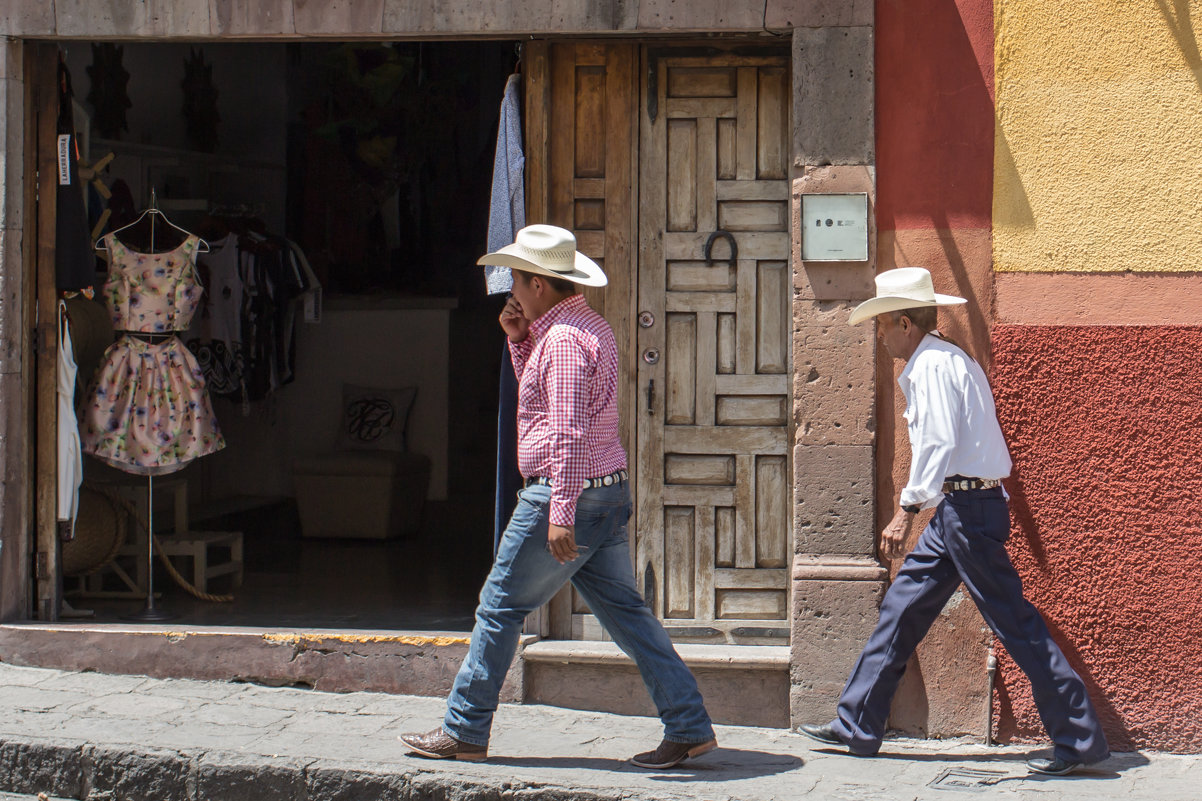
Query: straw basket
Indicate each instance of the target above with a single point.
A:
(99, 532)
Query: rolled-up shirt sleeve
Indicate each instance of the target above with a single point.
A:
(933, 413)
(568, 376)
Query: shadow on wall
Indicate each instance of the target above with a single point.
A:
(1022, 518)
(935, 120)
(1180, 24)
(1005, 717)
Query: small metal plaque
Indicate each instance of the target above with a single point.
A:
(973, 780)
(834, 227)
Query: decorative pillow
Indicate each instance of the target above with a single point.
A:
(374, 418)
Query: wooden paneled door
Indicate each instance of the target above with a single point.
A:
(691, 144)
(713, 341)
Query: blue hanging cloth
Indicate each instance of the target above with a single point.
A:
(506, 216)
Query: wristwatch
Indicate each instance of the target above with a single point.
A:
(912, 508)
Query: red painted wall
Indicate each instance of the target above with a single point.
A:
(934, 114)
(1105, 427)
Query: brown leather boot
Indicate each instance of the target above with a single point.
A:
(670, 754)
(437, 744)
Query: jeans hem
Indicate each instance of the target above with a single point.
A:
(468, 740)
(690, 742)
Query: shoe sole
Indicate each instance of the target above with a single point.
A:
(471, 756)
(695, 751)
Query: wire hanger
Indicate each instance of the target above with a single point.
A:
(201, 245)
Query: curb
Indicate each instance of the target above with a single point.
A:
(80, 770)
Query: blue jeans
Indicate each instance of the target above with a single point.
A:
(525, 576)
(966, 541)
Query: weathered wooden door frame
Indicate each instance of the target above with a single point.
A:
(30, 560)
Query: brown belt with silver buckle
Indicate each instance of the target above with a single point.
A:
(961, 484)
(589, 483)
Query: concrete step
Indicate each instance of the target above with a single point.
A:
(743, 685)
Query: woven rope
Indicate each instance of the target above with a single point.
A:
(187, 586)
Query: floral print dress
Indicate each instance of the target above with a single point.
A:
(147, 410)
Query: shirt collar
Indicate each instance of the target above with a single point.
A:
(926, 342)
(556, 313)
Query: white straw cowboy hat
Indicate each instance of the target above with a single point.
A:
(548, 250)
(903, 288)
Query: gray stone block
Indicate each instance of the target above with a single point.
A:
(27, 18)
(220, 776)
(250, 17)
(12, 153)
(832, 619)
(12, 59)
(834, 376)
(338, 17)
(41, 766)
(93, 19)
(833, 95)
(665, 15)
(147, 774)
(833, 500)
(10, 307)
(818, 13)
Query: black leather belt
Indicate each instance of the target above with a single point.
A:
(589, 483)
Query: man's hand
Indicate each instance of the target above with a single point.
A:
(513, 322)
(893, 538)
(561, 541)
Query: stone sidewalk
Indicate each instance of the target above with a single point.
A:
(127, 738)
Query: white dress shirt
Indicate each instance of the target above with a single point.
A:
(951, 420)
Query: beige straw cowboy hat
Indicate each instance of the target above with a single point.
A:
(547, 250)
(903, 288)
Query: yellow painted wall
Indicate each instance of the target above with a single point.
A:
(1098, 155)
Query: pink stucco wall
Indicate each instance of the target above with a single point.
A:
(934, 138)
(1105, 427)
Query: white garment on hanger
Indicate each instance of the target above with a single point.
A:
(70, 450)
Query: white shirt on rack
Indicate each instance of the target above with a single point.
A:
(951, 419)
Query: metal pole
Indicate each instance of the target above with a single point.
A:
(150, 613)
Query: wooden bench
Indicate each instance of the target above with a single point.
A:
(196, 544)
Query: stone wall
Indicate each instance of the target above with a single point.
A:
(837, 582)
(102, 19)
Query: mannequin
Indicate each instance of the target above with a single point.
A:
(148, 411)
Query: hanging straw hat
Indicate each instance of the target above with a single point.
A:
(548, 250)
(903, 288)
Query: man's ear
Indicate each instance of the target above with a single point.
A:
(536, 285)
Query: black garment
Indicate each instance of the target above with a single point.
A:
(75, 262)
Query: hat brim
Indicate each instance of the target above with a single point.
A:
(584, 271)
(874, 306)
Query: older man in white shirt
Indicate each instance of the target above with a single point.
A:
(959, 457)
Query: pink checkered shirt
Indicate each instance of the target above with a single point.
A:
(567, 370)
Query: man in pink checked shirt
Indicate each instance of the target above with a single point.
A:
(570, 520)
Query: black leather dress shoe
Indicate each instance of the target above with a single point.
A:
(1053, 767)
(823, 733)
